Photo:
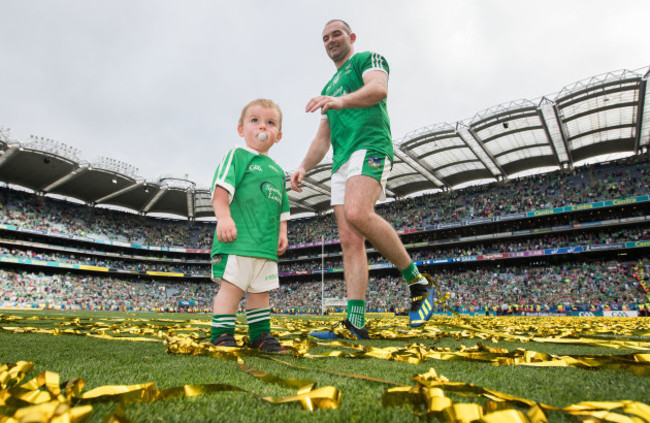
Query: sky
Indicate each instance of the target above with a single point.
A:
(160, 84)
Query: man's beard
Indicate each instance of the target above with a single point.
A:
(339, 55)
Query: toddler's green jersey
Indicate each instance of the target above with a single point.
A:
(258, 202)
(362, 128)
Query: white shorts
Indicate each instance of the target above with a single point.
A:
(361, 162)
(250, 274)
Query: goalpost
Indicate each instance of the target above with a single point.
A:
(326, 302)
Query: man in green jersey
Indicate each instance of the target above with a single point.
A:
(251, 205)
(355, 124)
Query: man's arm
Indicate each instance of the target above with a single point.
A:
(374, 90)
(317, 151)
(226, 230)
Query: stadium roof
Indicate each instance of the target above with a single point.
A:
(602, 115)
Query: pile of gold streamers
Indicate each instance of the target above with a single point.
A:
(45, 398)
(429, 393)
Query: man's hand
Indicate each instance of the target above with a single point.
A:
(226, 230)
(296, 179)
(324, 103)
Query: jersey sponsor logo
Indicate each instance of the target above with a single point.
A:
(273, 168)
(255, 167)
(374, 162)
(339, 92)
(270, 192)
(216, 259)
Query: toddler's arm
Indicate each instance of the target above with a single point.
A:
(226, 229)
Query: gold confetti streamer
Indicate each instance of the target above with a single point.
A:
(45, 399)
(430, 392)
(42, 400)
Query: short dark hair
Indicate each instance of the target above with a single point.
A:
(345, 25)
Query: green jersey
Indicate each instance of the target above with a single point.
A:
(258, 202)
(363, 128)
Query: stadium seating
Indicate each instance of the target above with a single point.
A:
(571, 240)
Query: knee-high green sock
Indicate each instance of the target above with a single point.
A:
(222, 323)
(412, 275)
(259, 321)
(357, 313)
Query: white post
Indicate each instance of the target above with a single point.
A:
(322, 275)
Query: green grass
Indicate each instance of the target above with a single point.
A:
(108, 362)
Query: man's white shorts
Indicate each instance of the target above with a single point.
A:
(361, 162)
(250, 274)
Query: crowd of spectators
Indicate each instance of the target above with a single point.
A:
(491, 286)
(625, 178)
(144, 264)
(603, 284)
(58, 216)
(99, 261)
(621, 179)
(67, 291)
(550, 240)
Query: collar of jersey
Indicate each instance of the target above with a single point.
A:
(250, 150)
(347, 61)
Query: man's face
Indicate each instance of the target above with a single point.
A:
(338, 43)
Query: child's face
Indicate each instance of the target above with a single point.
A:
(260, 120)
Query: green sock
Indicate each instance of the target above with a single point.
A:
(357, 313)
(412, 275)
(259, 321)
(222, 323)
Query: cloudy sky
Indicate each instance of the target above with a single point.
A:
(159, 84)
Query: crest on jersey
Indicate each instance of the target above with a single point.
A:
(374, 162)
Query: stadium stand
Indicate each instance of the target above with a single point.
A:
(565, 239)
(498, 259)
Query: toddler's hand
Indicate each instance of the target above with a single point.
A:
(226, 230)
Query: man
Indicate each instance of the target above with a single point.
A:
(355, 123)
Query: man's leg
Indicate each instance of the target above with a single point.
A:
(361, 194)
(355, 261)
(355, 271)
(355, 268)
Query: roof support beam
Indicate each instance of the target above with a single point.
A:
(154, 200)
(190, 204)
(639, 114)
(78, 171)
(415, 164)
(120, 192)
(8, 153)
(549, 137)
(560, 124)
(485, 151)
(315, 186)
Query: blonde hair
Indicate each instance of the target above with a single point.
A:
(263, 102)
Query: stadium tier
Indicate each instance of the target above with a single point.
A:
(572, 238)
(570, 241)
